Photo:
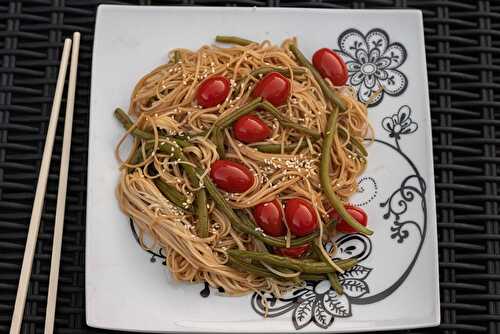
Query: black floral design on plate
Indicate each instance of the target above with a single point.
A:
(397, 205)
(367, 186)
(399, 123)
(373, 63)
(317, 302)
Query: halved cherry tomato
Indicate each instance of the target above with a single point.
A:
(356, 212)
(269, 218)
(212, 91)
(300, 217)
(330, 65)
(273, 87)
(231, 176)
(294, 252)
(251, 129)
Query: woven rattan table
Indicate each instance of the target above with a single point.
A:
(463, 57)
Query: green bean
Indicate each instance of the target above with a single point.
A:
(193, 174)
(141, 134)
(294, 264)
(127, 124)
(251, 268)
(177, 56)
(136, 158)
(329, 93)
(359, 147)
(276, 148)
(353, 141)
(218, 139)
(226, 121)
(284, 71)
(335, 283)
(332, 277)
(172, 194)
(312, 277)
(325, 180)
(287, 123)
(233, 40)
(201, 210)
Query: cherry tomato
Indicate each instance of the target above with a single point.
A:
(212, 91)
(300, 217)
(231, 176)
(273, 87)
(356, 212)
(251, 129)
(330, 65)
(269, 218)
(294, 252)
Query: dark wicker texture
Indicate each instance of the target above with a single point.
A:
(463, 56)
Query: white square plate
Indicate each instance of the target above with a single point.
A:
(396, 284)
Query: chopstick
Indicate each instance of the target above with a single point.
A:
(61, 192)
(41, 187)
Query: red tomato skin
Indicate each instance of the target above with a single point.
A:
(231, 176)
(300, 217)
(251, 129)
(330, 65)
(273, 87)
(356, 212)
(212, 91)
(294, 252)
(269, 218)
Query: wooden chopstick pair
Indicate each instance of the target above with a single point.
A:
(41, 187)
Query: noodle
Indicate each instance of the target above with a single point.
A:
(164, 102)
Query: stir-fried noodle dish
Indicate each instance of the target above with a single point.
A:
(243, 159)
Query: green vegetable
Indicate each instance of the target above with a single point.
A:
(281, 70)
(294, 264)
(329, 93)
(218, 139)
(193, 176)
(332, 277)
(287, 123)
(251, 268)
(136, 158)
(172, 194)
(226, 121)
(141, 134)
(276, 148)
(201, 210)
(233, 40)
(353, 142)
(177, 56)
(335, 283)
(127, 124)
(324, 176)
(312, 277)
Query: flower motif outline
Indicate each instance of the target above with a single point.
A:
(373, 64)
(400, 123)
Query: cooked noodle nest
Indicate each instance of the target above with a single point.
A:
(164, 103)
